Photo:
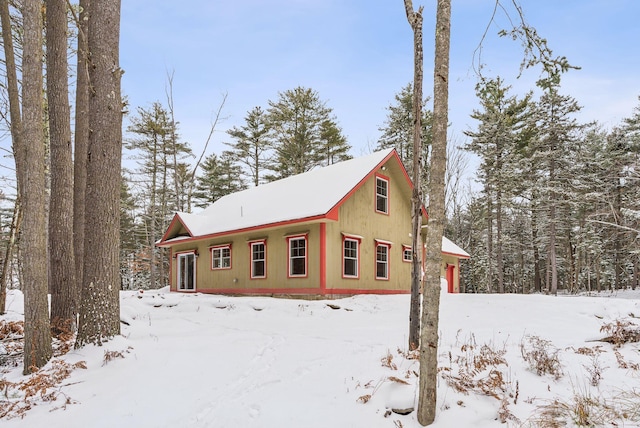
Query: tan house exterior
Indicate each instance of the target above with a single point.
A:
(339, 230)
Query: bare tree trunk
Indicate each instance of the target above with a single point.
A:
(81, 143)
(432, 288)
(489, 241)
(415, 20)
(61, 257)
(100, 306)
(37, 334)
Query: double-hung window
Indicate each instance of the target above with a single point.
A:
(407, 253)
(221, 257)
(350, 256)
(382, 259)
(258, 259)
(297, 256)
(382, 195)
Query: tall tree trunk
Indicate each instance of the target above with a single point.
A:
(81, 140)
(61, 257)
(37, 334)
(16, 130)
(415, 20)
(432, 288)
(489, 240)
(499, 260)
(100, 306)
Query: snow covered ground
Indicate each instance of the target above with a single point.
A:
(193, 360)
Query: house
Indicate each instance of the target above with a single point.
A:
(339, 230)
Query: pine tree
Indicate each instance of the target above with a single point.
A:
(397, 131)
(502, 127)
(334, 145)
(252, 144)
(295, 122)
(220, 177)
(99, 318)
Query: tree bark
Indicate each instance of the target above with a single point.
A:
(415, 21)
(100, 308)
(432, 288)
(61, 256)
(16, 136)
(37, 335)
(81, 141)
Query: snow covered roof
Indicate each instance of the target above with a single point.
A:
(448, 247)
(312, 194)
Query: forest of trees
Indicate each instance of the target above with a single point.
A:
(558, 206)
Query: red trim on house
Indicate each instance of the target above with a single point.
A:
(304, 236)
(387, 245)
(221, 246)
(298, 291)
(358, 240)
(323, 256)
(251, 244)
(244, 230)
(175, 257)
(404, 249)
(375, 194)
(459, 256)
(450, 273)
(175, 218)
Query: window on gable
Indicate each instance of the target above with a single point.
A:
(297, 256)
(350, 257)
(407, 253)
(221, 257)
(382, 195)
(382, 259)
(258, 259)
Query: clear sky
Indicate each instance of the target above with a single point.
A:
(357, 54)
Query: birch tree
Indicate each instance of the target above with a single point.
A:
(431, 289)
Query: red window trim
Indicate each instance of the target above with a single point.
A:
(387, 245)
(358, 240)
(404, 249)
(304, 236)
(375, 193)
(217, 247)
(176, 256)
(251, 244)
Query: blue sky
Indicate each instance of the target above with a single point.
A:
(357, 54)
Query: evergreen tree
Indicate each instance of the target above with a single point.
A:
(334, 145)
(159, 156)
(397, 131)
(503, 125)
(220, 177)
(252, 144)
(295, 122)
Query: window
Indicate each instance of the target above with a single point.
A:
(186, 271)
(382, 195)
(350, 257)
(297, 256)
(221, 257)
(258, 259)
(382, 260)
(407, 253)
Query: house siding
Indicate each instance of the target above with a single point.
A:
(238, 279)
(357, 216)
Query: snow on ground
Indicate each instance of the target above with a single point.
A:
(194, 360)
